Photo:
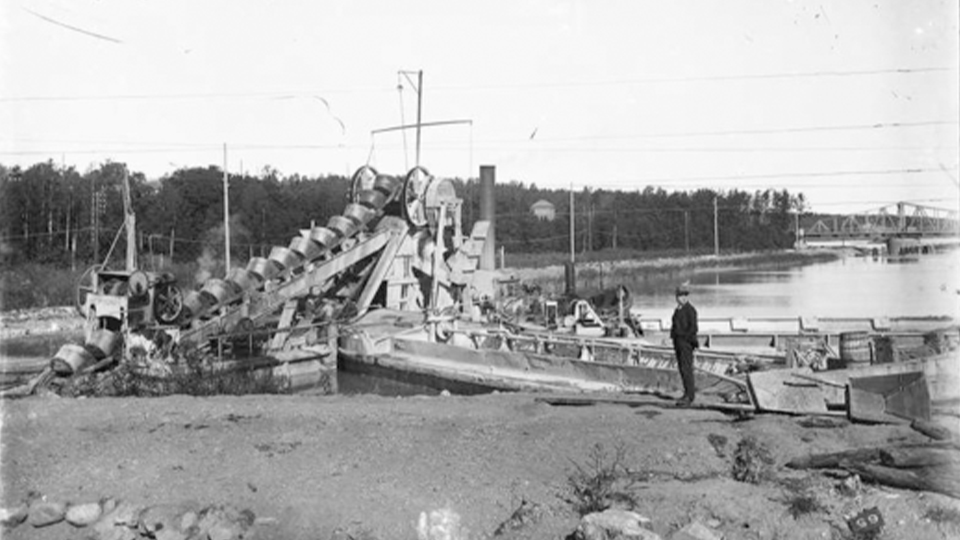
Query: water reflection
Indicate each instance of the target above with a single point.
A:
(849, 287)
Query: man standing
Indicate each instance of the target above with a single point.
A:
(683, 332)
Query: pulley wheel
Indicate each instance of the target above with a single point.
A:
(412, 202)
(138, 284)
(362, 180)
(85, 285)
(167, 303)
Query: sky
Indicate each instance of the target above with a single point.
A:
(855, 104)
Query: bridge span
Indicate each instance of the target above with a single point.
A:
(901, 228)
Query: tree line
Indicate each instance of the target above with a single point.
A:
(57, 215)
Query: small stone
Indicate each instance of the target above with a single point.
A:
(169, 534)
(696, 531)
(108, 505)
(81, 515)
(44, 513)
(187, 520)
(120, 523)
(163, 517)
(614, 524)
(11, 517)
(441, 524)
(224, 523)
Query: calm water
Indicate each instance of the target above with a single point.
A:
(850, 287)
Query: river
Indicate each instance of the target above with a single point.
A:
(849, 287)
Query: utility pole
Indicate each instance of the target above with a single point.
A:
(419, 110)
(573, 243)
(94, 219)
(796, 229)
(226, 211)
(716, 229)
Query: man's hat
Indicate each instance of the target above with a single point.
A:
(683, 290)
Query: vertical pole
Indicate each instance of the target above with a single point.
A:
(95, 219)
(419, 110)
(573, 242)
(488, 214)
(570, 273)
(796, 229)
(686, 230)
(226, 211)
(716, 229)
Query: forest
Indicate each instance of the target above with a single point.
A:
(58, 216)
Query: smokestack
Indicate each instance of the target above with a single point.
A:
(488, 213)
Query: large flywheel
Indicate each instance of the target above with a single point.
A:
(413, 196)
(167, 302)
(363, 180)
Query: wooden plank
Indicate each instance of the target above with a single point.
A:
(911, 458)
(636, 401)
(933, 431)
(777, 390)
(945, 479)
(833, 460)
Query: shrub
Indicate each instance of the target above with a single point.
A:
(752, 461)
(601, 481)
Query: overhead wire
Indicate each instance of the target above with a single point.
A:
(512, 86)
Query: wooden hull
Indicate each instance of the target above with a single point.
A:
(477, 360)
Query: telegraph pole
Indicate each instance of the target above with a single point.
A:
(226, 211)
(716, 229)
(419, 110)
(573, 243)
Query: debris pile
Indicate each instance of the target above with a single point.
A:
(928, 466)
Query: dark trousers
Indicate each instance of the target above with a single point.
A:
(684, 352)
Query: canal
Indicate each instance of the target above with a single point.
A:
(927, 285)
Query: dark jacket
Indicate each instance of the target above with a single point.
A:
(684, 325)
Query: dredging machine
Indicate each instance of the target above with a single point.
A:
(398, 244)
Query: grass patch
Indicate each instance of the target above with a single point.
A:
(943, 516)
(802, 504)
(752, 462)
(601, 481)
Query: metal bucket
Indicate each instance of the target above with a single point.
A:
(305, 248)
(71, 359)
(217, 291)
(359, 213)
(388, 185)
(324, 237)
(262, 269)
(242, 279)
(284, 258)
(194, 304)
(856, 348)
(343, 226)
(102, 342)
(372, 198)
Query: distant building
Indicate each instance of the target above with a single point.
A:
(544, 209)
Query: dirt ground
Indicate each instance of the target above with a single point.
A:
(369, 465)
